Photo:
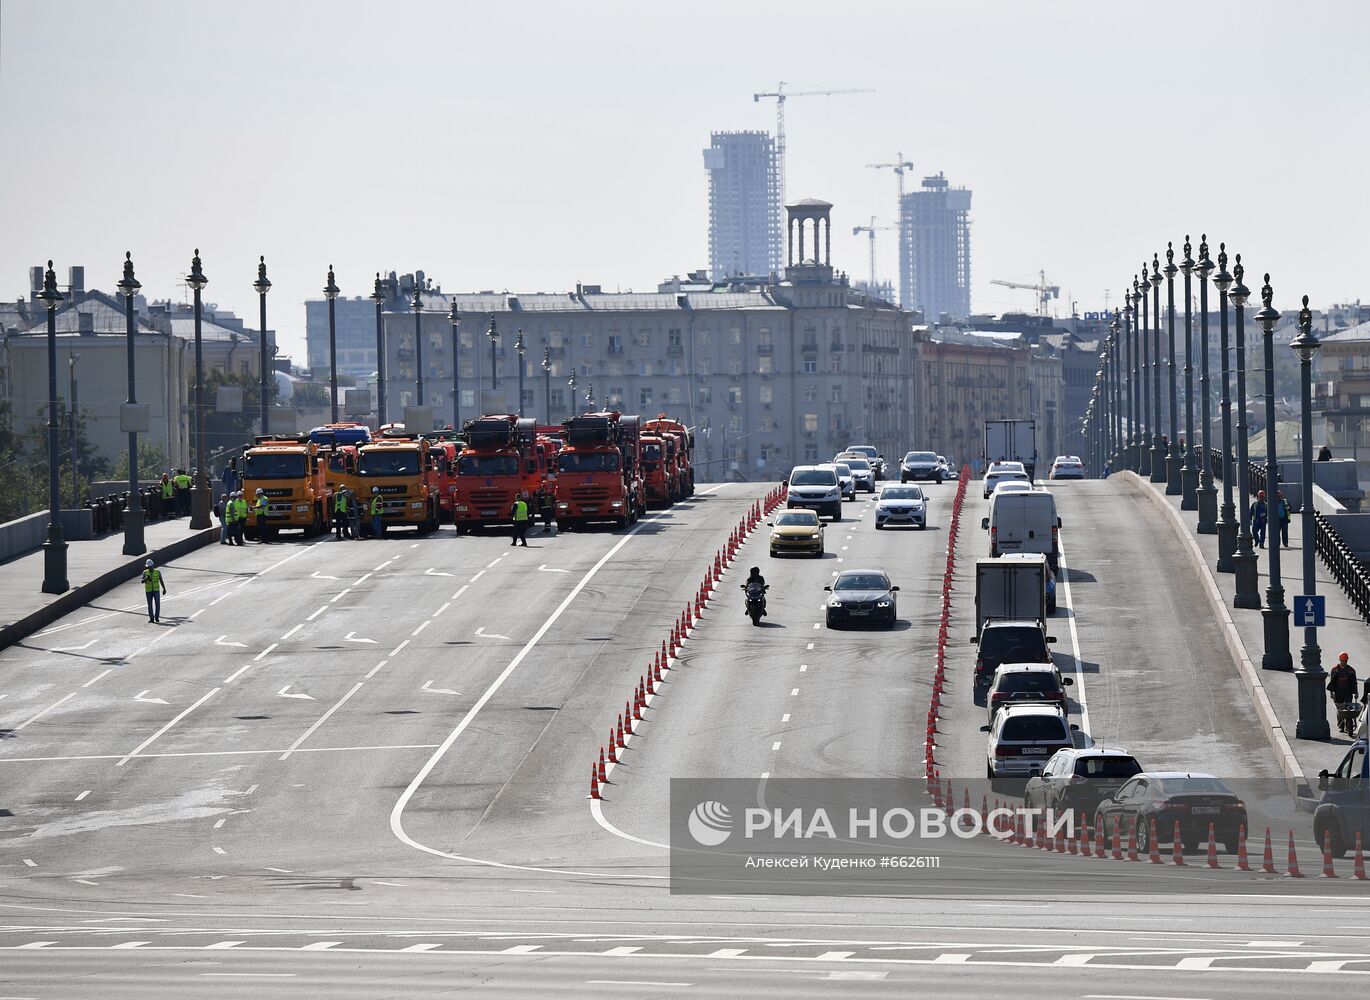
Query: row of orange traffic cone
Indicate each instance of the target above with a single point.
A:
(930, 772)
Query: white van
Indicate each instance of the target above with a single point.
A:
(817, 488)
(1024, 521)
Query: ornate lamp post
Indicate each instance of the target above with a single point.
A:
(521, 348)
(1207, 492)
(1142, 314)
(134, 544)
(1158, 470)
(417, 306)
(1312, 724)
(55, 548)
(199, 494)
(330, 292)
(1134, 379)
(1189, 474)
(1227, 520)
(1174, 460)
(1116, 410)
(1244, 561)
(590, 396)
(455, 319)
(262, 285)
(547, 377)
(378, 297)
(1275, 613)
(493, 334)
(572, 383)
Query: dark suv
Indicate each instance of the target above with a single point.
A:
(1007, 641)
(1027, 684)
(1344, 809)
(1078, 780)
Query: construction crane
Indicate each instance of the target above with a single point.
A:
(872, 229)
(898, 166)
(781, 95)
(1045, 292)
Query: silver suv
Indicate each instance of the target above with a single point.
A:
(815, 487)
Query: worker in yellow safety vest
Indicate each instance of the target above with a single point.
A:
(182, 481)
(521, 515)
(239, 517)
(154, 586)
(259, 508)
(341, 528)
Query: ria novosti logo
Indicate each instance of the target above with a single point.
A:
(710, 823)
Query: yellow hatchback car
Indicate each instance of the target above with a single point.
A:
(797, 531)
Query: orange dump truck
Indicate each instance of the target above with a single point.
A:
(405, 473)
(293, 475)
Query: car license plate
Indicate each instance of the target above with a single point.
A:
(860, 612)
(1205, 810)
(1034, 751)
(487, 513)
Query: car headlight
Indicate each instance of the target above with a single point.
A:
(302, 508)
(563, 505)
(616, 503)
(462, 507)
(883, 604)
(417, 505)
(834, 603)
(815, 533)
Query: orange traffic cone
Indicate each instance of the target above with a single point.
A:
(594, 783)
(1155, 855)
(1327, 870)
(1098, 840)
(1242, 864)
(1177, 847)
(1084, 836)
(622, 743)
(1212, 848)
(1293, 871)
(1117, 852)
(602, 776)
(1268, 861)
(628, 718)
(613, 747)
(1132, 840)
(1360, 860)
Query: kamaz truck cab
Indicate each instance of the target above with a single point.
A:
(502, 460)
(292, 475)
(664, 426)
(404, 472)
(599, 476)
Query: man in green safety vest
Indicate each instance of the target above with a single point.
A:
(239, 517)
(340, 525)
(168, 496)
(521, 514)
(259, 508)
(183, 482)
(154, 586)
(377, 525)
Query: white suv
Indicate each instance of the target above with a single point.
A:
(815, 487)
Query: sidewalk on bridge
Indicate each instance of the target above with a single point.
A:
(93, 568)
(1275, 692)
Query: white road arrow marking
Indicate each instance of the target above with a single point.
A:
(220, 642)
(150, 701)
(548, 569)
(322, 576)
(285, 693)
(350, 638)
(427, 686)
(74, 649)
(434, 571)
(488, 635)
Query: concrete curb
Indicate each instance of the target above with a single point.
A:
(1249, 673)
(130, 569)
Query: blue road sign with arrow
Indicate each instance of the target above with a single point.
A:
(1310, 610)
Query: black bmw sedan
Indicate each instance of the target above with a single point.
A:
(861, 595)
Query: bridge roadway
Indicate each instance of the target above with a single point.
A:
(358, 770)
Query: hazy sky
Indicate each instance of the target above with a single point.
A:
(529, 146)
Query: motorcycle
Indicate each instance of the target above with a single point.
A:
(756, 601)
(1347, 714)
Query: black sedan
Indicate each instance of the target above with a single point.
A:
(1194, 799)
(861, 595)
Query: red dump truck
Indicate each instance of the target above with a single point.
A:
(503, 457)
(664, 426)
(660, 469)
(599, 471)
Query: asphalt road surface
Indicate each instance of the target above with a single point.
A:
(358, 769)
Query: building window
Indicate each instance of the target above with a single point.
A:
(466, 338)
(703, 369)
(810, 393)
(766, 395)
(768, 423)
(555, 339)
(763, 339)
(706, 395)
(615, 343)
(734, 395)
(436, 341)
(677, 368)
(811, 423)
(836, 393)
(644, 338)
(763, 364)
(735, 335)
(810, 366)
(735, 424)
(674, 396)
(704, 338)
(615, 368)
(734, 367)
(644, 397)
(673, 338)
(587, 340)
(835, 364)
(810, 452)
(644, 368)
(558, 399)
(616, 392)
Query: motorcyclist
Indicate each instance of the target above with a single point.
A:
(756, 580)
(1341, 684)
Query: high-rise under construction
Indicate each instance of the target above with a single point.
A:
(744, 205)
(934, 252)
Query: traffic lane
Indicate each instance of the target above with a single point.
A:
(513, 786)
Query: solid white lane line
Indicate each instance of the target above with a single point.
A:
(382, 566)
(322, 719)
(376, 669)
(30, 863)
(292, 632)
(219, 850)
(1074, 636)
(32, 719)
(97, 677)
(219, 823)
(218, 599)
(491, 565)
(633, 982)
(167, 728)
(395, 651)
(265, 652)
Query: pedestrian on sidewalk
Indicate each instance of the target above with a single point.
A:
(232, 480)
(1258, 515)
(154, 586)
(182, 481)
(221, 511)
(1282, 513)
(1324, 454)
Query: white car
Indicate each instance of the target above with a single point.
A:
(949, 471)
(1001, 472)
(1011, 486)
(861, 472)
(1067, 467)
(846, 480)
(901, 505)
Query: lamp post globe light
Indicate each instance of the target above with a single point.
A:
(199, 494)
(493, 334)
(417, 306)
(1173, 460)
(378, 297)
(1244, 561)
(1158, 469)
(1227, 520)
(1189, 473)
(1312, 724)
(263, 285)
(1142, 314)
(1207, 494)
(547, 378)
(454, 318)
(55, 547)
(1275, 614)
(330, 292)
(134, 544)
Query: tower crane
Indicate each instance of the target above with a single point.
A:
(872, 229)
(781, 95)
(898, 166)
(1045, 292)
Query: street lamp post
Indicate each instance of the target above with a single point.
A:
(1312, 724)
(1158, 470)
(1207, 492)
(133, 514)
(1227, 520)
(1141, 317)
(572, 383)
(378, 297)
(493, 334)
(1244, 561)
(455, 319)
(1275, 614)
(417, 306)
(199, 495)
(1174, 460)
(521, 348)
(1189, 474)
(1116, 410)
(330, 292)
(263, 285)
(1130, 336)
(547, 377)
(71, 422)
(55, 548)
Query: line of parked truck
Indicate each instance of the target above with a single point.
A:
(603, 467)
